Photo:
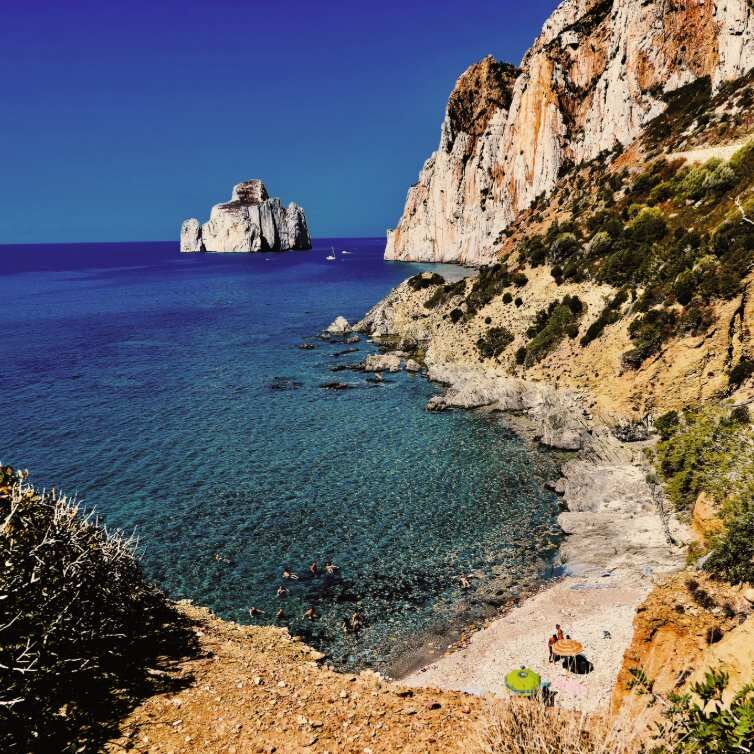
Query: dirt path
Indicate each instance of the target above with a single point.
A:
(257, 690)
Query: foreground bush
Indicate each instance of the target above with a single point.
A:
(522, 726)
(78, 622)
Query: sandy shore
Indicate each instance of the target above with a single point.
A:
(586, 608)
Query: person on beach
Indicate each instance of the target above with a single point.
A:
(287, 574)
(464, 582)
(550, 642)
(314, 568)
(310, 614)
(282, 592)
(559, 631)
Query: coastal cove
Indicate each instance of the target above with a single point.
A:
(174, 396)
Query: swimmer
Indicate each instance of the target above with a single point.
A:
(282, 592)
(287, 574)
(253, 611)
(330, 567)
(314, 568)
(310, 614)
(280, 615)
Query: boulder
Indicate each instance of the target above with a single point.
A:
(413, 366)
(382, 362)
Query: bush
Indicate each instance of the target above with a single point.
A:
(519, 302)
(80, 622)
(494, 342)
(649, 225)
(559, 322)
(564, 246)
(713, 178)
(521, 355)
(741, 372)
(519, 279)
(533, 251)
(701, 721)
(489, 283)
(507, 297)
(649, 332)
(425, 280)
(732, 556)
(444, 293)
(667, 424)
(456, 315)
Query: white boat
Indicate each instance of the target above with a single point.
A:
(331, 256)
(345, 251)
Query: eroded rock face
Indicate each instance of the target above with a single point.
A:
(250, 221)
(593, 78)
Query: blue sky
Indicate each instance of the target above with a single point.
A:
(121, 119)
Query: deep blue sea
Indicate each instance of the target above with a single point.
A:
(168, 391)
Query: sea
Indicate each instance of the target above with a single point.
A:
(170, 392)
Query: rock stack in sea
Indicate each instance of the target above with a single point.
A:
(250, 221)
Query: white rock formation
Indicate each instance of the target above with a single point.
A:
(339, 326)
(250, 221)
(593, 78)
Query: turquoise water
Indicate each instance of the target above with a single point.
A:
(169, 391)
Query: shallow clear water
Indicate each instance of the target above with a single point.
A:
(148, 382)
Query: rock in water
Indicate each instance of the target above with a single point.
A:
(250, 221)
(339, 325)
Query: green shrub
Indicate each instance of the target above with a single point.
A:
(713, 178)
(521, 355)
(494, 342)
(701, 722)
(732, 556)
(743, 161)
(741, 372)
(649, 332)
(444, 293)
(519, 279)
(456, 315)
(489, 283)
(667, 424)
(648, 225)
(564, 246)
(425, 280)
(608, 316)
(519, 302)
(533, 250)
(548, 330)
(507, 297)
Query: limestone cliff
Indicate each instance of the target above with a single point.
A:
(597, 74)
(250, 221)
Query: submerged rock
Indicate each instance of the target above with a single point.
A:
(250, 221)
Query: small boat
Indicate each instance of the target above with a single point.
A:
(345, 251)
(331, 256)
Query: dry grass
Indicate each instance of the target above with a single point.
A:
(522, 726)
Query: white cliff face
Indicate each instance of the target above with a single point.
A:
(250, 221)
(593, 79)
